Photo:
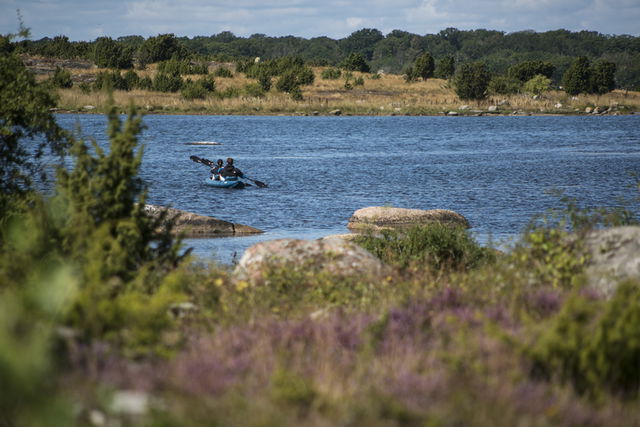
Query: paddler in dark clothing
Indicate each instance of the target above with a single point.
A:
(229, 170)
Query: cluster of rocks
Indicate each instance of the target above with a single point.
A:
(601, 110)
(613, 254)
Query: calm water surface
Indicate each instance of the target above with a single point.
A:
(493, 170)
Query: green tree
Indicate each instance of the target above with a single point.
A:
(107, 53)
(27, 116)
(503, 85)
(472, 80)
(603, 77)
(577, 79)
(361, 42)
(424, 66)
(62, 78)
(167, 83)
(526, 70)
(446, 67)
(355, 62)
(161, 48)
(537, 84)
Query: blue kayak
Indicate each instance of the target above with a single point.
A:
(229, 182)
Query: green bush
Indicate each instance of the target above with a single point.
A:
(527, 70)
(177, 67)
(537, 85)
(108, 53)
(577, 77)
(504, 85)
(424, 66)
(355, 62)
(446, 67)
(110, 80)
(193, 90)
(167, 82)
(132, 80)
(223, 72)
(264, 80)
(436, 246)
(593, 345)
(254, 90)
(62, 78)
(331, 73)
(145, 83)
(287, 82)
(603, 77)
(471, 81)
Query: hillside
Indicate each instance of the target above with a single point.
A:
(380, 94)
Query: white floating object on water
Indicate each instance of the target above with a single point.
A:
(203, 143)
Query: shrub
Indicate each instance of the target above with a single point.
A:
(472, 80)
(446, 67)
(167, 83)
(193, 90)
(331, 73)
(409, 74)
(207, 83)
(108, 53)
(527, 70)
(504, 85)
(62, 78)
(602, 78)
(287, 82)
(145, 83)
(110, 80)
(577, 78)
(355, 62)
(223, 72)
(253, 89)
(436, 245)
(264, 80)
(125, 263)
(358, 81)
(593, 345)
(230, 92)
(537, 85)
(424, 66)
(132, 80)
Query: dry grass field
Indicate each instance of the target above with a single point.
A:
(387, 95)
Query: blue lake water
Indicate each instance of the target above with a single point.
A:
(495, 171)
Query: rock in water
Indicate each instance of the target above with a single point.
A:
(336, 257)
(194, 225)
(376, 217)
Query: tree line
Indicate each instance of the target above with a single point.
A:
(392, 53)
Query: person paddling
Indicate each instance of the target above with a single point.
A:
(230, 171)
(215, 171)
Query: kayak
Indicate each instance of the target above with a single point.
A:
(229, 182)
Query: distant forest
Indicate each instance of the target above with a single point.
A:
(392, 53)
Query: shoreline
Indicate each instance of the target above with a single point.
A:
(320, 114)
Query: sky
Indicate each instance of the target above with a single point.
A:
(88, 19)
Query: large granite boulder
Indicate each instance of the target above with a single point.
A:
(194, 225)
(614, 255)
(377, 217)
(336, 257)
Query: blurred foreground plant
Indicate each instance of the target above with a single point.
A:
(434, 246)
